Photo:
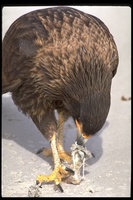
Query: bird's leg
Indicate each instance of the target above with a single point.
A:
(48, 127)
(65, 156)
(59, 172)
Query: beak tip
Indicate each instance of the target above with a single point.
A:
(81, 141)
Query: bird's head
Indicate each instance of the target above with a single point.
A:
(88, 100)
(90, 114)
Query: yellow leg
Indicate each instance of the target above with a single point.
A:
(59, 171)
(63, 155)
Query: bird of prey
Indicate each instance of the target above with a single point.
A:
(61, 59)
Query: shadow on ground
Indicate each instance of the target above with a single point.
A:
(21, 130)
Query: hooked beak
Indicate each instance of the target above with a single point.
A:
(81, 137)
(81, 141)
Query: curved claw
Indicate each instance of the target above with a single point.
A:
(69, 170)
(60, 188)
(37, 182)
(93, 155)
(40, 150)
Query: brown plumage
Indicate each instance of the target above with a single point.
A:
(60, 58)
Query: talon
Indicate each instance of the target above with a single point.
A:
(40, 150)
(69, 170)
(93, 155)
(60, 188)
(37, 182)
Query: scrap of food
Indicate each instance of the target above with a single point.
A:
(80, 155)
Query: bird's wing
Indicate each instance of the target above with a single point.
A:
(18, 50)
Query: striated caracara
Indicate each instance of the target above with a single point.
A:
(60, 59)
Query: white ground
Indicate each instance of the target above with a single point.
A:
(109, 173)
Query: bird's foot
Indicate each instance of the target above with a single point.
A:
(56, 176)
